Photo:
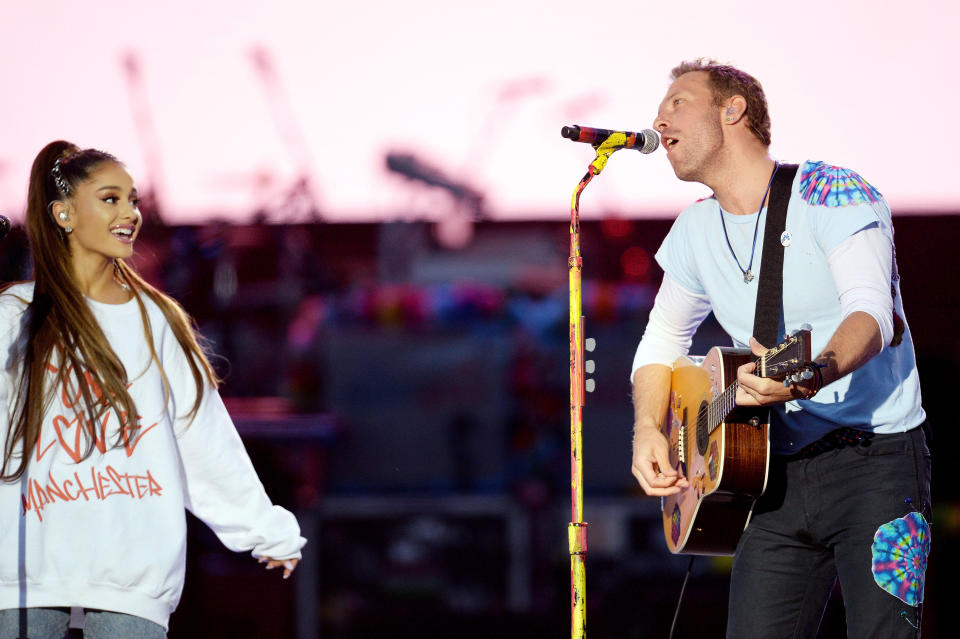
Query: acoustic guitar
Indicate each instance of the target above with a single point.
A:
(721, 448)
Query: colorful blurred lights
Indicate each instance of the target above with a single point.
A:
(635, 263)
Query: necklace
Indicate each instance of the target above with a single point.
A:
(748, 272)
(117, 275)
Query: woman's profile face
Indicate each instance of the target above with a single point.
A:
(104, 214)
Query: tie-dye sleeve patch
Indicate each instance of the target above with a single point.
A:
(825, 185)
(900, 550)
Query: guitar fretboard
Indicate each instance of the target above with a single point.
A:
(721, 406)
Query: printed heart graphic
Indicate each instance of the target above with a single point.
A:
(61, 424)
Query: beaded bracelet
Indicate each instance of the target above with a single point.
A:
(817, 379)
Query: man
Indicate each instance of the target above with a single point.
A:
(849, 448)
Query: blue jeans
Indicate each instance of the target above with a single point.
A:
(814, 525)
(53, 623)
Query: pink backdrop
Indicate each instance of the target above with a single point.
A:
(480, 92)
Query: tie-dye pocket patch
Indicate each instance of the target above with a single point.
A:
(900, 551)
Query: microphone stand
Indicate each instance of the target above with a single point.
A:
(577, 530)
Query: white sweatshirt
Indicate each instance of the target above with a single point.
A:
(109, 531)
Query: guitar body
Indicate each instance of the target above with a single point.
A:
(726, 468)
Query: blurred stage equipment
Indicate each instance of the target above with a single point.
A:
(151, 196)
(301, 199)
(4, 226)
(577, 529)
(508, 98)
(407, 165)
(453, 230)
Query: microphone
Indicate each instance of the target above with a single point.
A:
(647, 141)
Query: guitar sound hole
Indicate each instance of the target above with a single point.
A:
(703, 435)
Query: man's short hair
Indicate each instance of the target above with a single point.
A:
(727, 81)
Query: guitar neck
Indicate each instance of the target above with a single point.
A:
(721, 406)
(791, 355)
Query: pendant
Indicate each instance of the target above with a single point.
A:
(747, 277)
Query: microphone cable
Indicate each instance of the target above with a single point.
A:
(683, 588)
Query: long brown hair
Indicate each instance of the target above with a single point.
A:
(61, 328)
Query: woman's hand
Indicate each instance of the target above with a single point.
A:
(289, 565)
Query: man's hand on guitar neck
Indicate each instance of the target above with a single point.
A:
(856, 340)
(764, 391)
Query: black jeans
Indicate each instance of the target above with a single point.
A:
(816, 524)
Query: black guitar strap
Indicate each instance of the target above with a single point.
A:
(766, 318)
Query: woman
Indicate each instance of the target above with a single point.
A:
(112, 426)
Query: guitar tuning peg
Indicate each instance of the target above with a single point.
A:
(786, 381)
(590, 344)
(806, 374)
(806, 327)
(795, 377)
(590, 366)
(590, 385)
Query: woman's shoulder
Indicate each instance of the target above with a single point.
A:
(14, 301)
(154, 310)
(158, 319)
(15, 298)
